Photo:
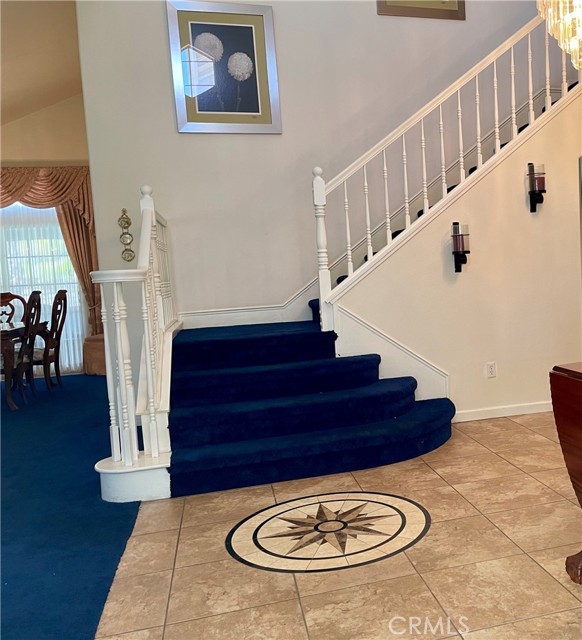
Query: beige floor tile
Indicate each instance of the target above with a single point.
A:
(315, 486)
(235, 504)
(535, 458)
(144, 634)
(514, 436)
(134, 603)
(549, 432)
(541, 527)
(371, 611)
(536, 420)
(459, 446)
(203, 543)
(148, 553)
(471, 468)
(553, 561)
(498, 591)
(566, 625)
(219, 587)
(394, 567)
(280, 621)
(509, 492)
(458, 542)
(558, 480)
(398, 477)
(443, 503)
(492, 425)
(159, 515)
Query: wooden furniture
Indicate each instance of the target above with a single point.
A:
(566, 389)
(49, 354)
(9, 311)
(11, 332)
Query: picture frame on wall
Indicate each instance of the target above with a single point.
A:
(224, 67)
(443, 9)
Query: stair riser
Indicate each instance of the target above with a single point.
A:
(220, 354)
(277, 421)
(232, 385)
(185, 481)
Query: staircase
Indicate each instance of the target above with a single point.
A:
(254, 404)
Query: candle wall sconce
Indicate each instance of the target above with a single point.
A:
(536, 180)
(460, 236)
(124, 221)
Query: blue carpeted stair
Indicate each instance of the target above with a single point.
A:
(254, 404)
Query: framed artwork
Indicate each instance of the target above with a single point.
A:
(447, 9)
(224, 67)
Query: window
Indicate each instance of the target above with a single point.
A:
(34, 256)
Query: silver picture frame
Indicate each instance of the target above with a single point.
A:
(224, 67)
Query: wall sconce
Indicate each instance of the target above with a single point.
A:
(124, 221)
(460, 236)
(536, 179)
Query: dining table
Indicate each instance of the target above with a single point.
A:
(10, 333)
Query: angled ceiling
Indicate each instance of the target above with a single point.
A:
(39, 56)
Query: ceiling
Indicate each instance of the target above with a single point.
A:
(39, 56)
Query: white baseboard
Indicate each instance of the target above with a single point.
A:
(294, 309)
(502, 411)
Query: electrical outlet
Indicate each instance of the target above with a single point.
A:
(491, 369)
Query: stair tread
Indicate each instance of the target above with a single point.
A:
(398, 387)
(404, 427)
(372, 358)
(236, 332)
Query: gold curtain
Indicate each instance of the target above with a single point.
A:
(68, 189)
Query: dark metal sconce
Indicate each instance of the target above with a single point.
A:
(536, 180)
(460, 236)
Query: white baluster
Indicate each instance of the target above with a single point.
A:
(548, 86)
(564, 75)
(348, 234)
(531, 116)
(150, 358)
(443, 159)
(406, 197)
(513, 112)
(324, 276)
(386, 201)
(114, 434)
(370, 250)
(478, 123)
(496, 108)
(461, 146)
(424, 180)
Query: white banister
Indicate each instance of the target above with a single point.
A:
(500, 77)
(130, 473)
(369, 250)
(496, 108)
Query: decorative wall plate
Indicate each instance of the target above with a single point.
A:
(328, 532)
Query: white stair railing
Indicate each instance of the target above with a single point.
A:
(434, 151)
(148, 324)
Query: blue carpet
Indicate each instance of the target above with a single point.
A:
(61, 543)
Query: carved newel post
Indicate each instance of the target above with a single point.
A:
(319, 202)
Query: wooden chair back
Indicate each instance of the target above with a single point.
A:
(9, 311)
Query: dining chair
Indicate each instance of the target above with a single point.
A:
(8, 310)
(50, 353)
(23, 358)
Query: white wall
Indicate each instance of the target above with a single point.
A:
(518, 300)
(55, 134)
(239, 206)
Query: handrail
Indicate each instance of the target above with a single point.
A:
(150, 324)
(409, 167)
(429, 107)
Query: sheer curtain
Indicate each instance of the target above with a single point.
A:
(34, 256)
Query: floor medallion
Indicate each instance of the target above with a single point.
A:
(328, 532)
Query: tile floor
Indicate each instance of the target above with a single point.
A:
(491, 567)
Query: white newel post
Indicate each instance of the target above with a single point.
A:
(319, 202)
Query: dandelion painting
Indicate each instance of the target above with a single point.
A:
(224, 68)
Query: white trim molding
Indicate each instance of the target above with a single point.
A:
(502, 411)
